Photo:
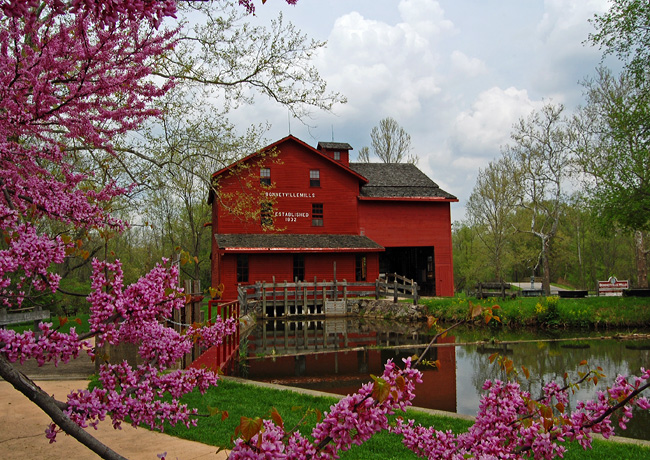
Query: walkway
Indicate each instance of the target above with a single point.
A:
(22, 433)
(527, 285)
(23, 424)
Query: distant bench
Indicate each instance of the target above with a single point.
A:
(492, 289)
(572, 294)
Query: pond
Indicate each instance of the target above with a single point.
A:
(338, 356)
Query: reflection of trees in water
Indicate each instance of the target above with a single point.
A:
(548, 361)
(296, 336)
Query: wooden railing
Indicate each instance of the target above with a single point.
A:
(328, 298)
(492, 289)
(221, 357)
(398, 286)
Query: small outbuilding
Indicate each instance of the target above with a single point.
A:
(295, 212)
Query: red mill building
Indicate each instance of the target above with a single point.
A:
(314, 213)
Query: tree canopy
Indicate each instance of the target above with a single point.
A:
(624, 31)
(390, 143)
(615, 149)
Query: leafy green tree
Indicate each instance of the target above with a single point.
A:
(585, 252)
(624, 31)
(490, 208)
(471, 261)
(541, 160)
(614, 153)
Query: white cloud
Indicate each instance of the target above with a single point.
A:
(482, 129)
(391, 67)
(564, 55)
(426, 17)
(463, 64)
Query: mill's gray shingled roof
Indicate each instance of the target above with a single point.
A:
(295, 241)
(335, 145)
(397, 180)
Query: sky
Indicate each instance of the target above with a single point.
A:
(455, 74)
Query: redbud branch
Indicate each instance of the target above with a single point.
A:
(5, 192)
(433, 340)
(321, 445)
(566, 387)
(610, 410)
(54, 409)
(617, 406)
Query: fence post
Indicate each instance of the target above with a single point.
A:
(335, 288)
(286, 299)
(263, 299)
(395, 289)
(416, 296)
(275, 308)
(305, 300)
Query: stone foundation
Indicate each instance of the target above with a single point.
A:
(367, 308)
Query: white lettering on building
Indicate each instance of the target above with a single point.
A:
(290, 195)
(289, 216)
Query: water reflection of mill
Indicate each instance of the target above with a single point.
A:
(338, 355)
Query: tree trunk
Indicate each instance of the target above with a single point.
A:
(641, 260)
(54, 409)
(546, 275)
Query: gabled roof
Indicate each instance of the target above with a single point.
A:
(294, 139)
(398, 180)
(280, 242)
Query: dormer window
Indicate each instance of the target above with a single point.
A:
(337, 156)
(265, 176)
(314, 178)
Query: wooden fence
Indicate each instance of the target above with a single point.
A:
(398, 286)
(328, 298)
(23, 315)
(189, 314)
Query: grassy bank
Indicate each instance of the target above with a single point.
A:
(552, 312)
(252, 401)
(546, 312)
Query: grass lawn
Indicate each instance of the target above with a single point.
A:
(252, 401)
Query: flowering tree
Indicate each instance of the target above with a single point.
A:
(78, 72)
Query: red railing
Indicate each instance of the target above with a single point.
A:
(221, 357)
